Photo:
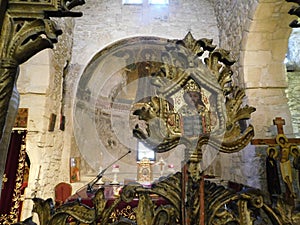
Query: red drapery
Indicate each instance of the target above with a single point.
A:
(13, 178)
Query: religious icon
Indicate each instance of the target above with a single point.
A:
(195, 115)
(285, 166)
(144, 171)
(272, 174)
(22, 118)
(288, 149)
(295, 151)
(74, 169)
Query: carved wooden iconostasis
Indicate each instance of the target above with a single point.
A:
(26, 29)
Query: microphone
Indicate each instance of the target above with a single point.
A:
(100, 175)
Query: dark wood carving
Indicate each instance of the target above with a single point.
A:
(295, 10)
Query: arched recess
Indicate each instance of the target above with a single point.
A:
(105, 94)
(263, 53)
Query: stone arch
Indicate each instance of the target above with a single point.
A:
(103, 94)
(263, 53)
(261, 57)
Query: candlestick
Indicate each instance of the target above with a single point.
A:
(115, 170)
(37, 186)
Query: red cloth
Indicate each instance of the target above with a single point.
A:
(86, 198)
(12, 163)
(62, 192)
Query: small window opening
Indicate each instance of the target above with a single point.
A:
(132, 2)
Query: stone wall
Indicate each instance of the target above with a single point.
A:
(293, 93)
(41, 89)
(234, 19)
(104, 22)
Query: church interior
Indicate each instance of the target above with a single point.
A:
(185, 110)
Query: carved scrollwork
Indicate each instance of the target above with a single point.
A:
(167, 190)
(246, 207)
(44, 209)
(214, 115)
(165, 215)
(40, 8)
(26, 30)
(30, 38)
(64, 8)
(75, 210)
(222, 206)
(19, 42)
(225, 103)
(22, 41)
(145, 209)
(129, 192)
(295, 10)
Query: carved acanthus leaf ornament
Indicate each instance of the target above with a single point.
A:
(214, 74)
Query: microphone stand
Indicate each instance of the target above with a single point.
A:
(100, 175)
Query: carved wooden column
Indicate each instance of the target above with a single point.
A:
(3, 6)
(25, 30)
